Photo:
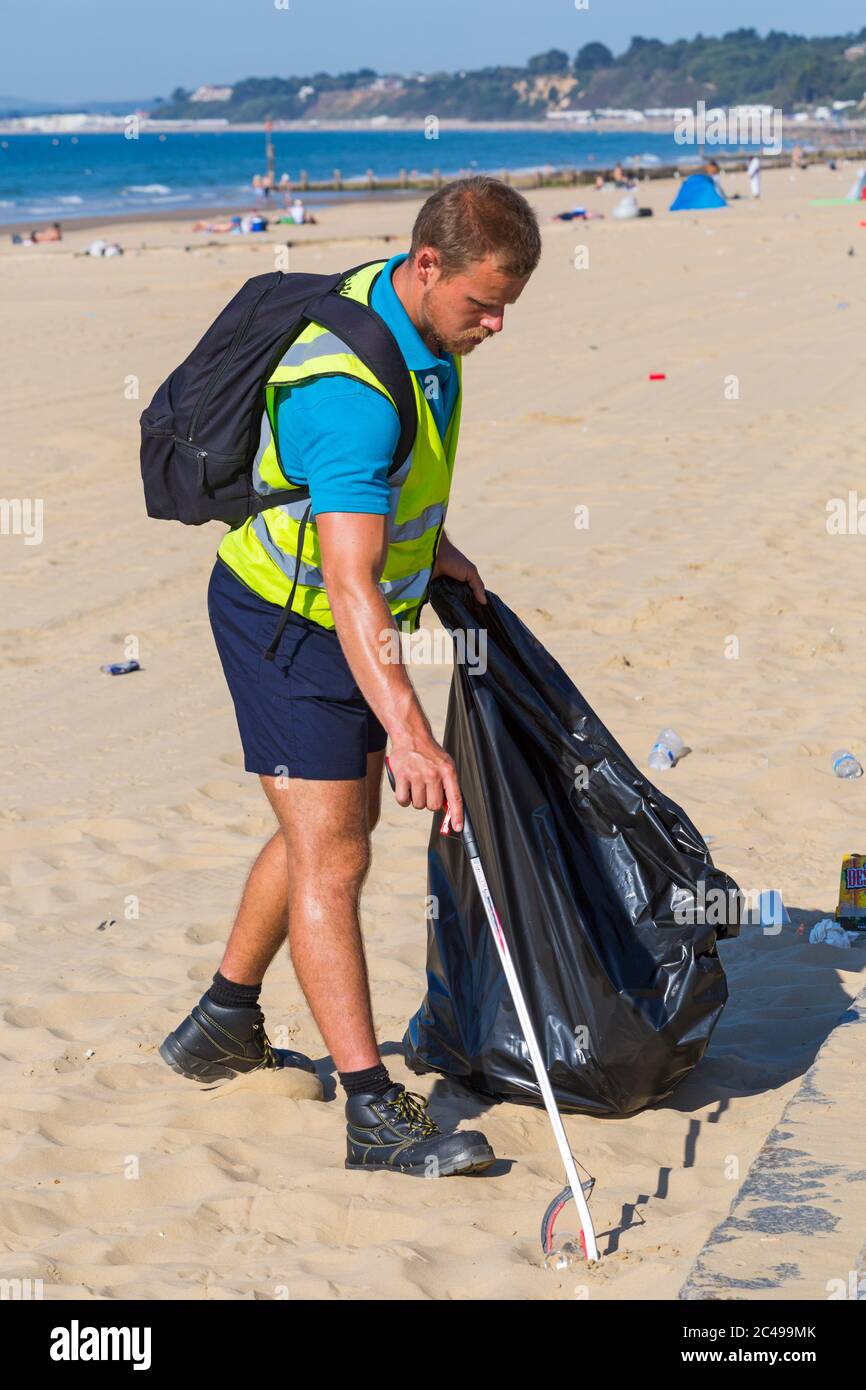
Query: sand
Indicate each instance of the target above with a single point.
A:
(126, 803)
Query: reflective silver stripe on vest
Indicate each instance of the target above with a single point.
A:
(414, 529)
(293, 509)
(309, 574)
(398, 479)
(409, 587)
(326, 345)
(261, 487)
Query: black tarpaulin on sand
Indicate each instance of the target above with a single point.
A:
(592, 873)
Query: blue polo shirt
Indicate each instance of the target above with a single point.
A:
(338, 435)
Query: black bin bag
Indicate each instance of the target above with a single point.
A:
(607, 894)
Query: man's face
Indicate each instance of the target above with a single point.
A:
(463, 310)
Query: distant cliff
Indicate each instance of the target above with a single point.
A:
(782, 70)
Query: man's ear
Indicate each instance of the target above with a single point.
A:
(427, 262)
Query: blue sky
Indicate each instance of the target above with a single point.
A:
(106, 49)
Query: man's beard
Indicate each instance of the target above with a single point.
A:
(459, 344)
(467, 342)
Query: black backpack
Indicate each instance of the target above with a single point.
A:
(201, 432)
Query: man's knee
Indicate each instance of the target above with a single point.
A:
(350, 858)
(325, 828)
(340, 863)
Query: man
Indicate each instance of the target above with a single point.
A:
(315, 719)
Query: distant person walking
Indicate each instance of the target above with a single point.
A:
(714, 170)
(754, 172)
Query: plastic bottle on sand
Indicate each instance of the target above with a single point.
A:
(845, 764)
(666, 751)
(566, 1254)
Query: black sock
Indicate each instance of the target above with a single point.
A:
(374, 1080)
(231, 996)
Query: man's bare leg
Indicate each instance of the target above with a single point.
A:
(261, 923)
(326, 831)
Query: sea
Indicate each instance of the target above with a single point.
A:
(65, 176)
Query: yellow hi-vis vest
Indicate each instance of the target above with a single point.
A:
(262, 550)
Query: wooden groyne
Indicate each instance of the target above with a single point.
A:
(563, 177)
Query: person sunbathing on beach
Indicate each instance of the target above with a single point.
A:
(576, 213)
(250, 222)
(226, 225)
(52, 233)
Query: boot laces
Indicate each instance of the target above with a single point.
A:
(412, 1109)
(270, 1059)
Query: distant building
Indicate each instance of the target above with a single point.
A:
(756, 110)
(386, 84)
(212, 94)
(611, 113)
(304, 93)
(72, 122)
(57, 124)
(581, 117)
(857, 50)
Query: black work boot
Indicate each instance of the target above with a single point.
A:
(215, 1042)
(394, 1131)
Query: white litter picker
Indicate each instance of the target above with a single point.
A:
(579, 1191)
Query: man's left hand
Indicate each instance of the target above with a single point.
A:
(452, 562)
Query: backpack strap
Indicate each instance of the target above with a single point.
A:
(271, 649)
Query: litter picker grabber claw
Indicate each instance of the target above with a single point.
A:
(579, 1191)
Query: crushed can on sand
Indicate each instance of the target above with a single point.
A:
(851, 911)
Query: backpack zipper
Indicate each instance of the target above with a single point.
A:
(232, 349)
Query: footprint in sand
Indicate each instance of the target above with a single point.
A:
(205, 934)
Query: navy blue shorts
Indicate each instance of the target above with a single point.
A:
(302, 714)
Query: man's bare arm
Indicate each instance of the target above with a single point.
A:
(354, 548)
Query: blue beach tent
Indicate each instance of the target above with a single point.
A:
(698, 191)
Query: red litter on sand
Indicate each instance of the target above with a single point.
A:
(658, 376)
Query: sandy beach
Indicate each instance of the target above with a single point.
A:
(128, 824)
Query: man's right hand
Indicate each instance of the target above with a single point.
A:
(425, 777)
